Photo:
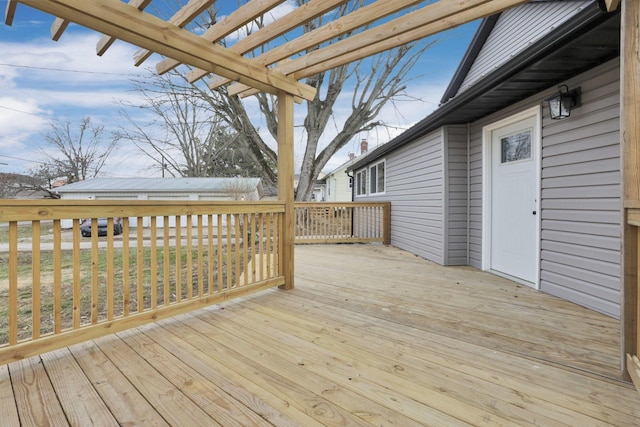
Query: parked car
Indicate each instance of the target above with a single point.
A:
(85, 227)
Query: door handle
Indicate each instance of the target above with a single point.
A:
(534, 212)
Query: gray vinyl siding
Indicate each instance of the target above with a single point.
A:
(456, 227)
(580, 257)
(530, 22)
(581, 219)
(415, 186)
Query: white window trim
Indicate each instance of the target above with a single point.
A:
(375, 165)
(357, 183)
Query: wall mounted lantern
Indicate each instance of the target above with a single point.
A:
(560, 104)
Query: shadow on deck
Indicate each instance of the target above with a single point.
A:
(371, 335)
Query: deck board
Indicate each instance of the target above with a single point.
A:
(36, 399)
(370, 336)
(82, 405)
(8, 407)
(112, 385)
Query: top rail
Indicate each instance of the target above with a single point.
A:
(38, 210)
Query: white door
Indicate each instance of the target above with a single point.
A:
(514, 205)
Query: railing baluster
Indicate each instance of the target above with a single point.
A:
(245, 247)
(269, 255)
(126, 283)
(166, 259)
(280, 244)
(229, 257)
(110, 271)
(13, 282)
(236, 238)
(77, 277)
(95, 271)
(219, 253)
(140, 263)
(210, 254)
(35, 278)
(178, 273)
(261, 249)
(153, 279)
(189, 274)
(255, 234)
(200, 258)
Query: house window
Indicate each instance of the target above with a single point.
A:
(376, 178)
(361, 183)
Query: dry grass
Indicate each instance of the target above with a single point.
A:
(126, 294)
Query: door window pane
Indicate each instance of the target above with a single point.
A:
(516, 147)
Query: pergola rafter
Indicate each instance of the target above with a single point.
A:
(181, 18)
(226, 26)
(294, 19)
(343, 25)
(106, 41)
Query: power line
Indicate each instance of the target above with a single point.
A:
(21, 159)
(67, 70)
(20, 111)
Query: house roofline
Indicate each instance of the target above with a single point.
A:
(478, 41)
(584, 20)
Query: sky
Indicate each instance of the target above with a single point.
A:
(44, 83)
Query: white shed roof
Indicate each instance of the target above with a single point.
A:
(156, 185)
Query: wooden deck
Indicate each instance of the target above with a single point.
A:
(370, 336)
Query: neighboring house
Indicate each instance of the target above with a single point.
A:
(339, 183)
(490, 180)
(192, 189)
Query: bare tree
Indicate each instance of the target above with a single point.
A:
(371, 83)
(183, 136)
(76, 155)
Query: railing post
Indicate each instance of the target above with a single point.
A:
(630, 132)
(386, 223)
(285, 185)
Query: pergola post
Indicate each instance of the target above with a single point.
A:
(285, 184)
(630, 134)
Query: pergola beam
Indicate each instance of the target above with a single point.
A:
(124, 22)
(181, 18)
(226, 26)
(429, 20)
(340, 26)
(106, 41)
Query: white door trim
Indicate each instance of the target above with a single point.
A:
(536, 113)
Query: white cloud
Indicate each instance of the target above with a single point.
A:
(36, 90)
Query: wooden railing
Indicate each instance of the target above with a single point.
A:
(58, 288)
(353, 222)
